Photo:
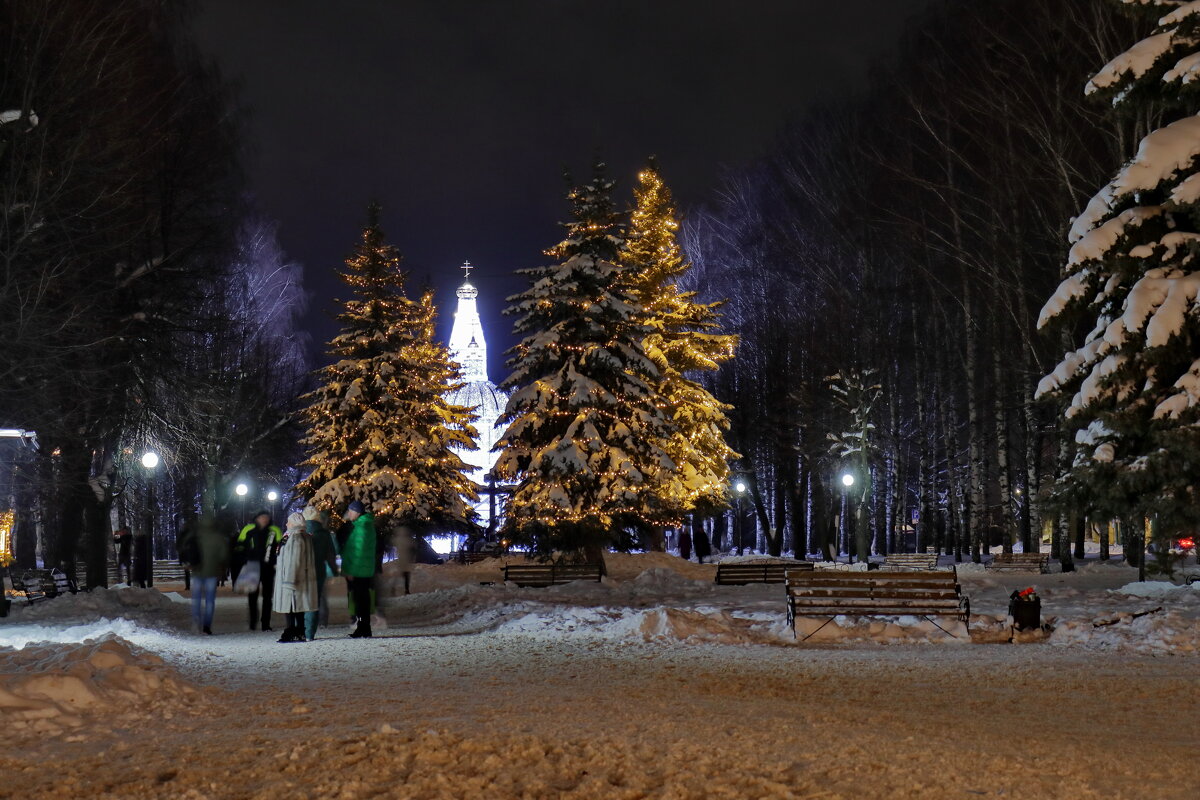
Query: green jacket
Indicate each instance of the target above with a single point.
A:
(358, 556)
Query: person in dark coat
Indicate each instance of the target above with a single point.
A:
(208, 558)
(123, 540)
(260, 541)
(325, 556)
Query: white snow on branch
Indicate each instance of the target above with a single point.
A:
(1134, 62)
(1160, 155)
(1162, 299)
(12, 115)
(1187, 397)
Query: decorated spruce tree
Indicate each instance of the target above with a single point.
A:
(1131, 389)
(585, 436)
(683, 340)
(379, 428)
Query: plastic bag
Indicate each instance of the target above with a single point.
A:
(249, 578)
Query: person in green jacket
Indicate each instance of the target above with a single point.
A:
(358, 565)
(325, 555)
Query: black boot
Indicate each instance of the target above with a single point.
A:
(361, 632)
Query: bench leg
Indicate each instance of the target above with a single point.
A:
(943, 630)
(814, 633)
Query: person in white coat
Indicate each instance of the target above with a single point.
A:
(295, 579)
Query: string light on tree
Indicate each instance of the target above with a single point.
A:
(584, 432)
(683, 338)
(379, 427)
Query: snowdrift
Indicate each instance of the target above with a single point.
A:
(54, 687)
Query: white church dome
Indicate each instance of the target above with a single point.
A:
(468, 348)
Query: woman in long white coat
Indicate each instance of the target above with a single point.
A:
(295, 578)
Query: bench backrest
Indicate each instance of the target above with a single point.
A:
(911, 560)
(1020, 558)
(35, 583)
(548, 574)
(62, 584)
(762, 572)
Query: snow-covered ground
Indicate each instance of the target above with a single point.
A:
(655, 683)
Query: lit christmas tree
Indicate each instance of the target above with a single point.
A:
(379, 428)
(683, 339)
(1132, 389)
(584, 426)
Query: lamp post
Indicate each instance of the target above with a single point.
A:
(241, 490)
(844, 529)
(739, 490)
(146, 551)
(272, 496)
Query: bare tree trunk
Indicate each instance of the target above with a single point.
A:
(1001, 426)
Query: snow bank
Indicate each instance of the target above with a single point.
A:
(147, 607)
(53, 687)
(1160, 632)
(1159, 589)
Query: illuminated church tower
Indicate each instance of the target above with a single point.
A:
(468, 349)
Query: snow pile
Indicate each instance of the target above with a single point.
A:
(1166, 631)
(147, 607)
(54, 687)
(1159, 589)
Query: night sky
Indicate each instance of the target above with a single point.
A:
(459, 117)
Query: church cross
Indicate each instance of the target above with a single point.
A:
(466, 268)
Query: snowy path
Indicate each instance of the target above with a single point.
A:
(518, 713)
(584, 719)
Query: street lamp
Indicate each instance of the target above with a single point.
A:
(241, 490)
(146, 549)
(739, 489)
(847, 480)
(272, 496)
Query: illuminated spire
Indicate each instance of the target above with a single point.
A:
(467, 345)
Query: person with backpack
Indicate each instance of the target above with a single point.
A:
(259, 543)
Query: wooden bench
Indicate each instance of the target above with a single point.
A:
(878, 594)
(541, 575)
(463, 557)
(918, 561)
(33, 585)
(1020, 562)
(740, 574)
(62, 584)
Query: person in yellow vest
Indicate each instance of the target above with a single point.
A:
(260, 541)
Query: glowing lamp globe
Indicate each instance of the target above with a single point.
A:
(150, 460)
(241, 489)
(847, 479)
(739, 487)
(272, 495)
